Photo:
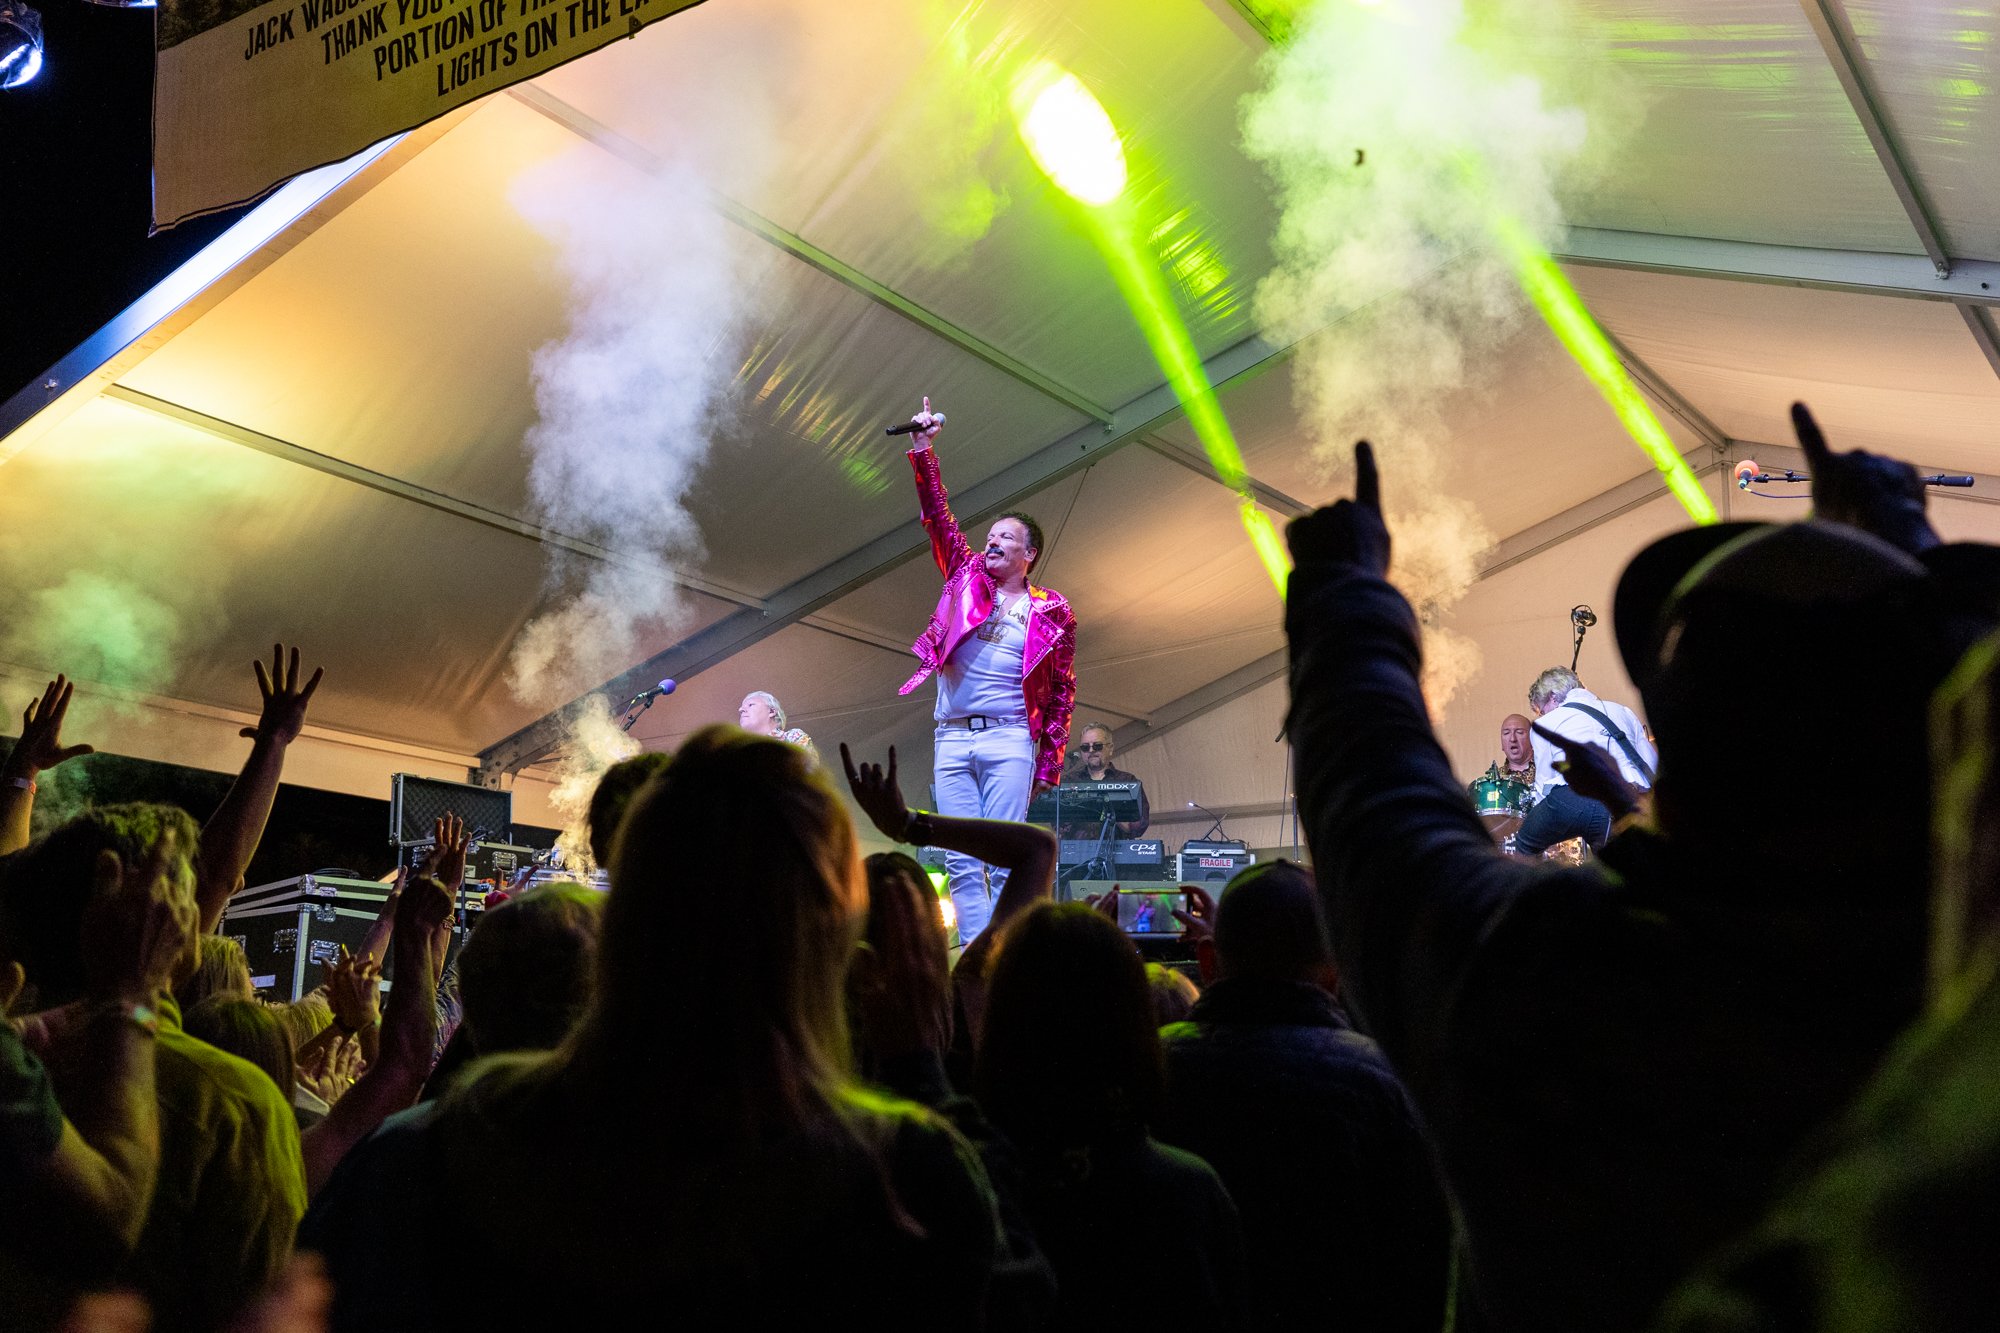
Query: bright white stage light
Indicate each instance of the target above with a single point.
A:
(1069, 134)
(20, 43)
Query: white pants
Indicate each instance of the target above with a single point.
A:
(986, 774)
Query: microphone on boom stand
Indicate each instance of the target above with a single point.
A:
(643, 700)
(1581, 618)
(1215, 829)
(1747, 474)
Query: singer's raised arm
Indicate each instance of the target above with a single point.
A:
(948, 545)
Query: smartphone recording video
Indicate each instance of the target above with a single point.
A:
(1148, 911)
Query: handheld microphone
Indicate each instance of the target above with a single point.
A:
(1946, 479)
(912, 427)
(664, 687)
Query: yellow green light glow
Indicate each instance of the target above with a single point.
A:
(1570, 320)
(1069, 134)
(1145, 290)
(1114, 225)
(941, 886)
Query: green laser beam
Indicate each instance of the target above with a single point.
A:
(1073, 140)
(1549, 289)
(1144, 288)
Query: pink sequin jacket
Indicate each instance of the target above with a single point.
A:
(1048, 661)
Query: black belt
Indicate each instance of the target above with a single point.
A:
(981, 722)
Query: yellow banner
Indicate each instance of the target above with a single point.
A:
(248, 95)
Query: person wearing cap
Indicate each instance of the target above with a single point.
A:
(1569, 711)
(1003, 651)
(1616, 1061)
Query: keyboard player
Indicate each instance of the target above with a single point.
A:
(1092, 764)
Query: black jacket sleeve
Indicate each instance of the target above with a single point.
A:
(1410, 879)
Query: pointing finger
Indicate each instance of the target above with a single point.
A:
(1810, 439)
(1367, 483)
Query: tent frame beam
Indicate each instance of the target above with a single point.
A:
(402, 489)
(1974, 281)
(1269, 496)
(1837, 40)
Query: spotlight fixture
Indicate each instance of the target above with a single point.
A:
(1069, 135)
(20, 43)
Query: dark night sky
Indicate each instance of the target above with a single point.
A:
(76, 188)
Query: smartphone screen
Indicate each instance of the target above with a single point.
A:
(1148, 911)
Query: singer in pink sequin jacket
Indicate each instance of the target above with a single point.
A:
(1048, 662)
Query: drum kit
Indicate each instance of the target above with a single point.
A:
(1501, 802)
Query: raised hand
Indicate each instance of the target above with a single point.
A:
(424, 906)
(1346, 532)
(40, 747)
(328, 1072)
(285, 700)
(138, 924)
(446, 858)
(354, 990)
(1591, 771)
(1105, 904)
(1880, 495)
(877, 792)
(931, 422)
(1198, 917)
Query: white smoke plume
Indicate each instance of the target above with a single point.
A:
(960, 117)
(629, 400)
(595, 743)
(662, 293)
(1394, 132)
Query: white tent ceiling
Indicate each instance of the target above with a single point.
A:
(323, 441)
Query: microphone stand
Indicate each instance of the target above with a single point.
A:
(640, 703)
(1104, 863)
(1581, 618)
